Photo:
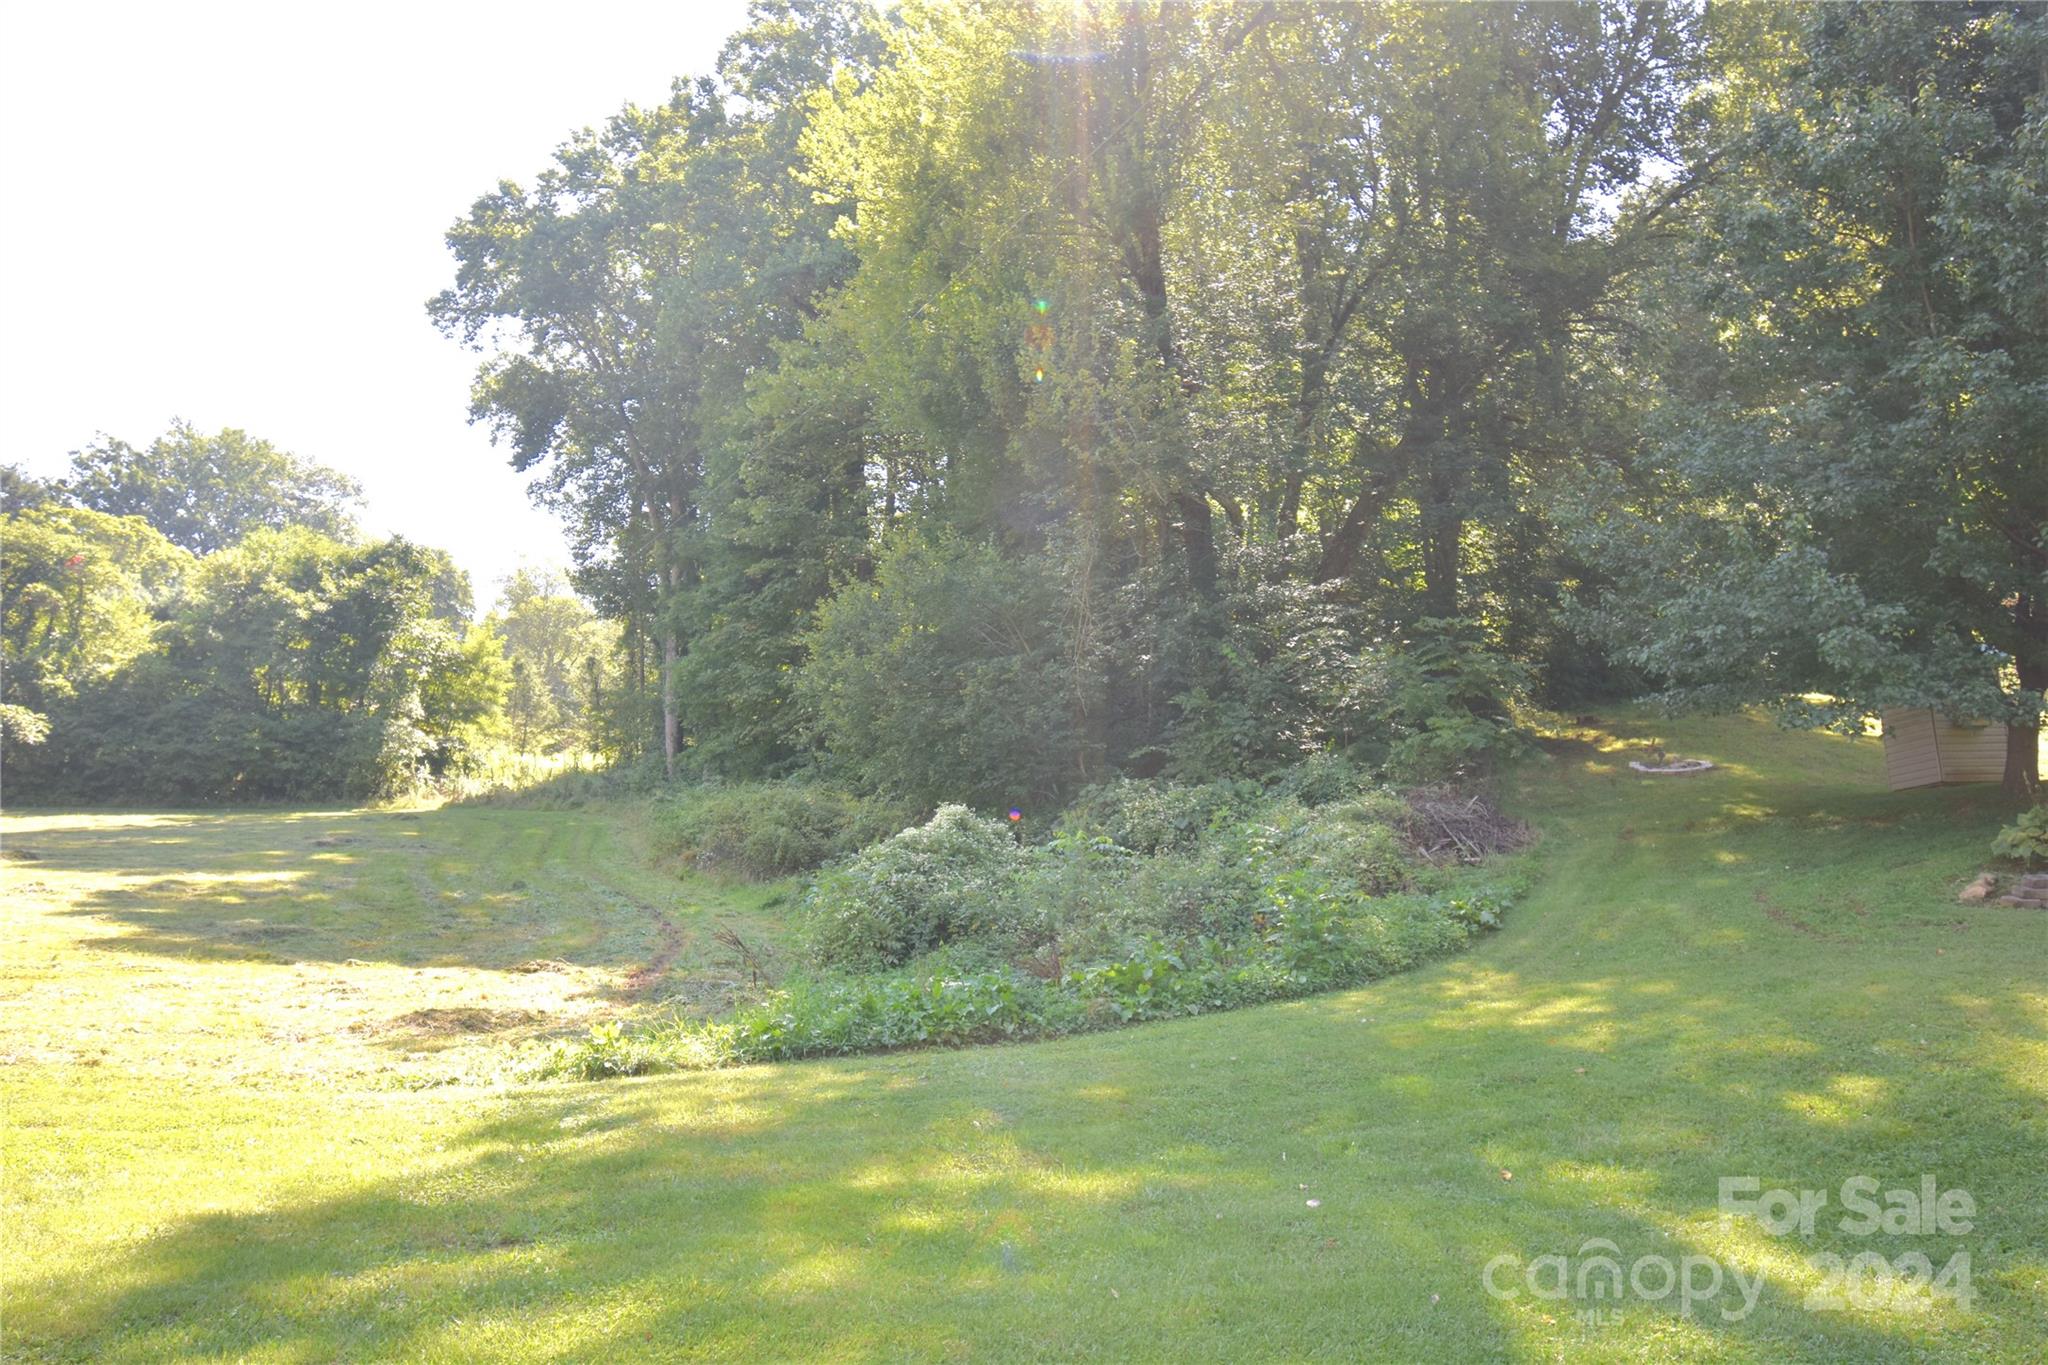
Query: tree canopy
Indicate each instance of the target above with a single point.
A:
(207, 492)
(981, 401)
(1248, 345)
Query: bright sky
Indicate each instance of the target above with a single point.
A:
(233, 214)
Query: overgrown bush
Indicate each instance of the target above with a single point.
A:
(1267, 671)
(925, 887)
(865, 1014)
(2025, 839)
(770, 829)
(951, 676)
(1152, 816)
(1450, 694)
(1313, 942)
(953, 933)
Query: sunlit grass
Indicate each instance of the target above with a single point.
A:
(1761, 971)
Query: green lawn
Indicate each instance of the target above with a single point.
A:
(251, 1108)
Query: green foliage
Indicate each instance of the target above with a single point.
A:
(1274, 669)
(1847, 485)
(952, 933)
(770, 829)
(950, 676)
(608, 1051)
(1450, 697)
(922, 929)
(288, 666)
(562, 660)
(918, 890)
(860, 319)
(866, 1014)
(205, 493)
(82, 592)
(81, 597)
(1312, 941)
(21, 726)
(1153, 981)
(2025, 839)
(21, 490)
(1152, 816)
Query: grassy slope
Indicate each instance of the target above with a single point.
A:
(1757, 972)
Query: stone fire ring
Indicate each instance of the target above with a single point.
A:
(1678, 767)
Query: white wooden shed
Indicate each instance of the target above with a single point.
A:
(1923, 748)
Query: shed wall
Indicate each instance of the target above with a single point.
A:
(1922, 749)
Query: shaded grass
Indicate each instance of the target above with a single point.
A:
(1758, 972)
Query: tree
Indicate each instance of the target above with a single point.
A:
(81, 594)
(645, 280)
(550, 638)
(783, 508)
(205, 493)
(597, 382)
(1852, 487)
(21, 490)
(1503, 152)
(289, 666)
(950, 674)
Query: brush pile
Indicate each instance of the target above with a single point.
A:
(1447, 826)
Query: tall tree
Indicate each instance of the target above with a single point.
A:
(1500, 156)
(589, 380)
(1855, 490)
(782, 511)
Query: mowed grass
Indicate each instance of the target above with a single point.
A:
(1762, 971)
(388, 948)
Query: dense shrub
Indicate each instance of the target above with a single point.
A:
(952, 933)
(1314, 942)
(1071, 896)
(863, 1014)
(1321, 779)
(1151, 816)
(770, 829)
(288, 667)
(1450, 695)
(918, 890)
(1268, 671)
(950, 677)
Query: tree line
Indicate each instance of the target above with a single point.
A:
(202, 620)
(975, 401)
(984, 398)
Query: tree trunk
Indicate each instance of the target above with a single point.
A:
(669, 728)
(2022, 760)
(1198, 542)
(2023, 742)
(1440, 555)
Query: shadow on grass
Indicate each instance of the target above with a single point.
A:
(1642, 1028)
(1142, 1195)
(493, 890)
